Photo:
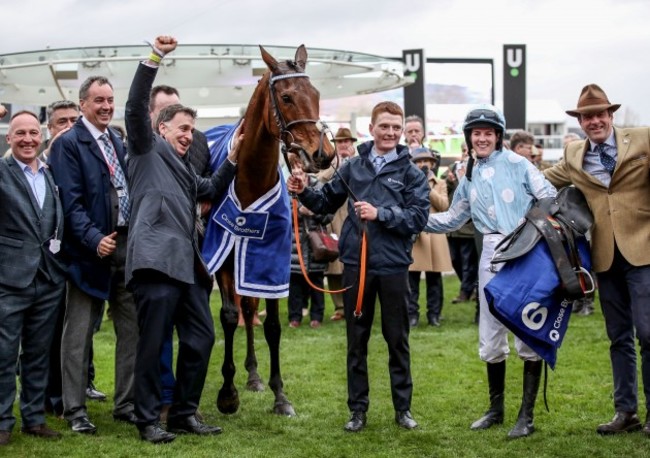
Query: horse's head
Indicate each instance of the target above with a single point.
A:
(294, 103)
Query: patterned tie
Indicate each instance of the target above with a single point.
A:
(118, 179)
(608, 161)
(378, 163)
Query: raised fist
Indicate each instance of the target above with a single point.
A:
(165, 43)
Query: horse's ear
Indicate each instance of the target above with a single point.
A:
(269, 60)
(301, 57)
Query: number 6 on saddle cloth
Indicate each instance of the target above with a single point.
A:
(547, 265)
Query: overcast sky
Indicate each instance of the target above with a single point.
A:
(569, 42)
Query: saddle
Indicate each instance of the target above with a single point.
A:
(559, 221)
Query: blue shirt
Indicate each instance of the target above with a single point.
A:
(503, 188)
(591, 162)
(388, 157)
(36, 180)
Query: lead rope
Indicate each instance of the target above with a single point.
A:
(296, 234)
(363, 249)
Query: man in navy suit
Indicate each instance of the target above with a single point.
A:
(88, 163)
(31, 276)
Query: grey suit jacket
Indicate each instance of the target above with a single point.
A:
(23, 245)
(164, 191)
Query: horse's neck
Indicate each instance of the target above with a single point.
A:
(257, 169)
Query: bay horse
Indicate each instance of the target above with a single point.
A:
(283, 113)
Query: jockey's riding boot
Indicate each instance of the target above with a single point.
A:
(496, 373)
(532, 375)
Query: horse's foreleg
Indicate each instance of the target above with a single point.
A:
(228, 398)
(272, 333)
(249, 309)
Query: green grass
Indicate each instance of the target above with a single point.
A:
(449, 393)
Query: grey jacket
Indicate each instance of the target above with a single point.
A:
(164, 190)
(24, 239)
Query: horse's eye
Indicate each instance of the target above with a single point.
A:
(286, 99)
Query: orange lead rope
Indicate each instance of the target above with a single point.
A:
(296, 234)
(363, 253)
(362, 264)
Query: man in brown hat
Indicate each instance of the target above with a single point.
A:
(611, 167)
(344, 143)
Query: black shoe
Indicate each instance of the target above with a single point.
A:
(356, 423)
(623, 422)
(94, 394)
(192, 426)
(155, 434)
(404, 419)
(434, 321)
(128, 417)
(413, 321)
(82, 425)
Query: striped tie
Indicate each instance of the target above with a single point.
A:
(608, 161)
(378, 163)
(118, 179)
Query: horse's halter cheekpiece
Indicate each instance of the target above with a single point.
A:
(286, 137)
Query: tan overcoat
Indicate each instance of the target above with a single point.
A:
(431, 251)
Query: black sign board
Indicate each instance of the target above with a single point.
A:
(514, 86)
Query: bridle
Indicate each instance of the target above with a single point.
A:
(287, 139)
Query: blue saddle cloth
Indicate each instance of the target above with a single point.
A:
(526, 295)
(260, 234)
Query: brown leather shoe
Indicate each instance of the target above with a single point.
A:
(315, 324)
(338, 316)
(4, 437)
(42, 431)
(294, 324)
(623, 422)
(462, 297)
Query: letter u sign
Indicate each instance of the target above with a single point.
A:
(514, 57)
(412, 62)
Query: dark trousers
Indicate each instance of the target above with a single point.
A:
(162, 303)
(434, 294)
(27, 319)
(300, 293)
(625, 299)
(167, 369)
(464, 260)
(393, 299)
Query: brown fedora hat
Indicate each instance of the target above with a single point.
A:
(592, 100)
(344, 134)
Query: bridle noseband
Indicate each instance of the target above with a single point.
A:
(286, 138)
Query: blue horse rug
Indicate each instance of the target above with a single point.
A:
(526, 295)
(260, 234)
